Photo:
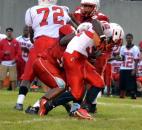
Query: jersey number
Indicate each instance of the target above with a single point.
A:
(128, 63)
(56, 15)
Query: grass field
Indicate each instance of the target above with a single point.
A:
(113, 114)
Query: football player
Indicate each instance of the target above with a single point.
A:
(88, 10)
(44, 20)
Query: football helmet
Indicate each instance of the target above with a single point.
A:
(96, 3)
(47, 2)
(84, 27)
(113, 31)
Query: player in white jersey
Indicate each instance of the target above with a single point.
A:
(139, 70)
(78, 69)
(45, 20)
(26, 45)
(130, 56)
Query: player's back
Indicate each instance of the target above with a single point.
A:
(46, 20)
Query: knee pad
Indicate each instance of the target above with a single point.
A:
(23, 90)
(60, 82)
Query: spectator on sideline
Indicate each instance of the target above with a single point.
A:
(26, 45)
(130, 56)
(9, 53)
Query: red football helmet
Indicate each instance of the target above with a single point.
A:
(88, 7)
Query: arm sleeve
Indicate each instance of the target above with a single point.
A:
(1, 50)
(28, 18)
(136, 53)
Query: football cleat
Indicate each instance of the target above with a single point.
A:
(19, 107)
(42, 110)
(32, 110)
(83, 114)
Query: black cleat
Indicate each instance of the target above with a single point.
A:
(19, 107)
(32, 110)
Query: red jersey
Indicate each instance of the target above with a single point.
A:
(80, 18)
(9, 46)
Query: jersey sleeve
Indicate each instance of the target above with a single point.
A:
(28, 18)
(136, 53)
(67, 17)
(122, 51)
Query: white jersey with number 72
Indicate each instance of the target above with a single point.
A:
(46, 20)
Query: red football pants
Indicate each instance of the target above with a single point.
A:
(78, 70)
(47, 72)
(40, 44)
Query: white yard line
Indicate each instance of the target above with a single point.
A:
(120, 104)
(35, 120)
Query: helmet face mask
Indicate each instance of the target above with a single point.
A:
(47, 2)
(87, 10)
(88, 7)
(114, 32)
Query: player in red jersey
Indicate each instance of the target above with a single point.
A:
(88, 10)
(48, 68)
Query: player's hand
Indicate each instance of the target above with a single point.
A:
(7, 53)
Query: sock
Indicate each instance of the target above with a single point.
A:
(63, 99)
(23, 90)
(37, 104)
(92, 94)
(20, 99)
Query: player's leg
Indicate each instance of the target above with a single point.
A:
(50, 75)
(27, 77)
(74, 68)
(97, 85)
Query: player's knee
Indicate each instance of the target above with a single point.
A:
(61, 83)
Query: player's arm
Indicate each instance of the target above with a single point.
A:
(29, 22)
(99, 36)
(66, 39)
(71, 22)
(73, 19)
(31, 31)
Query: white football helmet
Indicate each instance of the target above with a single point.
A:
(92, 2)
(84, 27)
(113, 30)
(47, 2)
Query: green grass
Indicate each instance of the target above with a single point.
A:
(113, 114)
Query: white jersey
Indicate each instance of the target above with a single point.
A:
(81, 43)
(46, 20)
(2, 36)
(24, 43)
(129, 56)
(116, 66)
(139, 70)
